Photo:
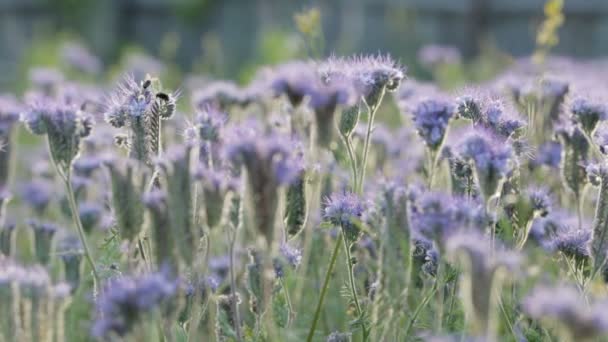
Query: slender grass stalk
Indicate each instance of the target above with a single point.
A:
(330, 268)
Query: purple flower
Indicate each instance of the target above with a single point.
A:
(43, 239)
(369, 75)
(345, 210)
(549, 154)
(45, 78)
(431, 118)
(90, 215)
(80, 58)
(125, 302)
(564, 306)
(220, 95)
(600, 137)
(436, 216)
(64, 124)
(37, 194)
(572, 242)
(588, 113)
(433, 55)
(490, 157)
(139, 65)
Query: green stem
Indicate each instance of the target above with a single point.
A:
(237, 316)
(440, 297)
(368, 135)
(81, 234)
(330, 269)
(422, 304)
(353, 160)
(353, 289)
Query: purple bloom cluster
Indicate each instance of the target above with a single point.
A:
(431, 118)
(126, 300)
(564, 305)
(345, 210)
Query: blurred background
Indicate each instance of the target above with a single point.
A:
(230, 38)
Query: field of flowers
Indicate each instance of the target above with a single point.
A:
(336, 199)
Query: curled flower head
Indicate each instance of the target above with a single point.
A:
(431, 119)
(126, 301)
(43, 239)
(345, 210)
(588, 113)
(37, 194)
(370, 75)
(209, 123)
(436, 216)
(564, 306)
(490, 158)
(65, 125)
(140, 107)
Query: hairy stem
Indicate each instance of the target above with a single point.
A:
(330, 268)
(76, 217)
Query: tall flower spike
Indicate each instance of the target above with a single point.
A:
(176, 168)
(491, 160)
(217, 184)
(564, 306)
(125, 302)
(140, 108)
(128, 182)
(345, 210)
(163, 236)
(270, 163)
(575, 155)
(484, 265)
(64, 125)
(70, 252)
(588, 114)
(431, 119)
(43, 240)
(599, 176)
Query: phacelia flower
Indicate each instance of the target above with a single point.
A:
(220, 95)
(126, 301)
(433, 55)
(491, 160)
(549, 154)
(484, 266)
(575, 154)
(431, 119)
(37, 194)
(69, 249)
(564, 306)
(90, 215)
(345, 210)
(270, 163)
(79, 58)
(588, 114)
(43, 240)
(64, 125)
(371, 76)
(140, 108)
(216, 184)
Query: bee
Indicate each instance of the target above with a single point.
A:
(146, 84)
